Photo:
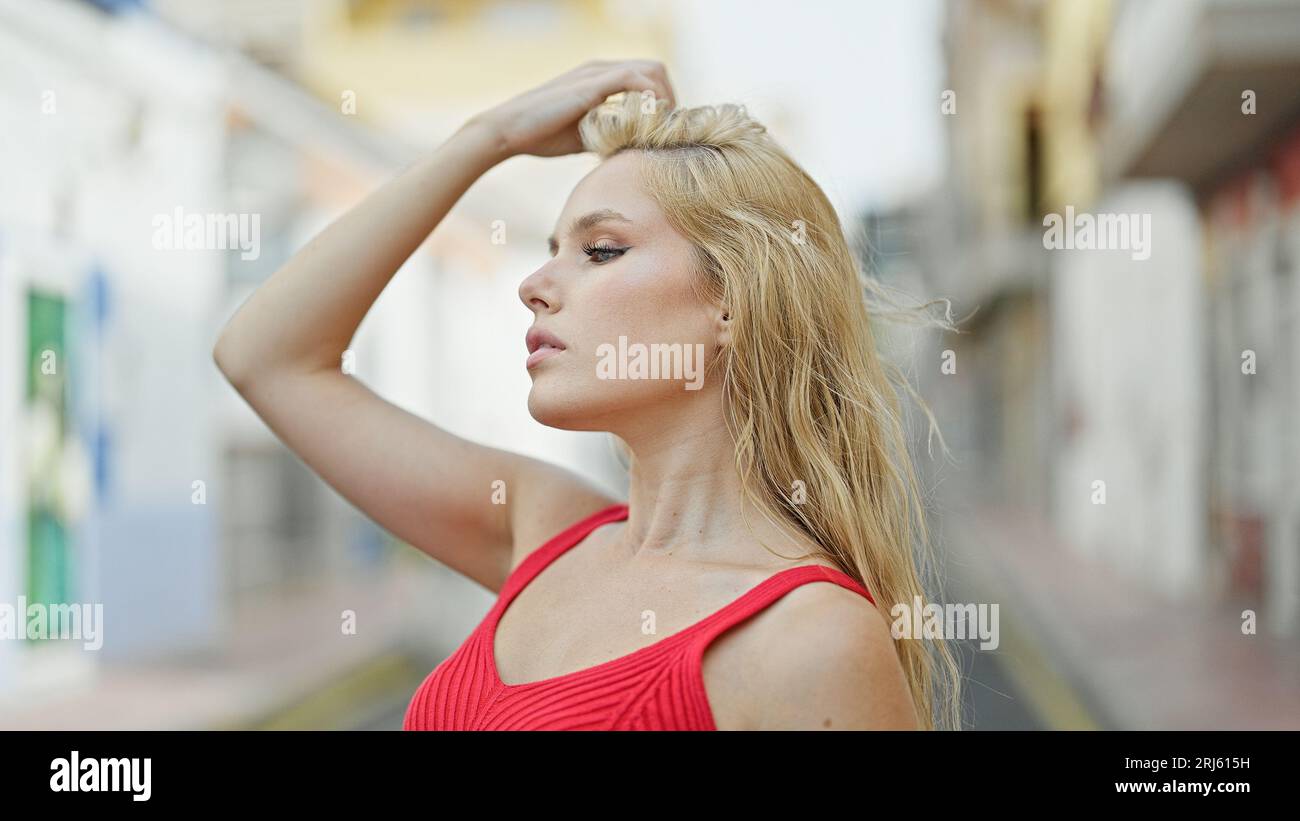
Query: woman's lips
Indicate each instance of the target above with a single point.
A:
(542, 344)
(544, 352)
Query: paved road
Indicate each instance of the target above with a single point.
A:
(992, 700)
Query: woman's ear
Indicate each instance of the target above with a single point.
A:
(723, 327)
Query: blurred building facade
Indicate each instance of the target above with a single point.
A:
(1135, 409)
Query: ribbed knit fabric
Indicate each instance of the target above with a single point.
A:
(658, 687)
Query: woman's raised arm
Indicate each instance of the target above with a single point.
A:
(282, 350)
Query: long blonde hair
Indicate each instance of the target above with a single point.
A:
(819, 433)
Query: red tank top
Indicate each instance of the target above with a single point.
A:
(658, 687)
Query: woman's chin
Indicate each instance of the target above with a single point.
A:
(564, 413)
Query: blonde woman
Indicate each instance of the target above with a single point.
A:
(773, 514)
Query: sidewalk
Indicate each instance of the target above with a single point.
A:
(1134, 659)
(285, 664)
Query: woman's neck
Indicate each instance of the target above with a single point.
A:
(685, 497)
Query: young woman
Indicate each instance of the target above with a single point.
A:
(692, 605)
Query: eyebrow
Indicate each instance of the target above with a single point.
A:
(585, 222)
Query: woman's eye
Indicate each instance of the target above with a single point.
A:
(602, 253)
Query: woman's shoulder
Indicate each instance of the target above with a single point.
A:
(819, 657)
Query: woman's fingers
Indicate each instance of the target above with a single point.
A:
(635, 76)
(597, 79)
(543, 121)
(659, 72)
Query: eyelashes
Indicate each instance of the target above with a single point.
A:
(601, 254)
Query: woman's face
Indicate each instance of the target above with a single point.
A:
(617, 296)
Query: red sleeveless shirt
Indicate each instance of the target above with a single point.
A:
(658, 687)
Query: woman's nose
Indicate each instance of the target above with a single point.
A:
(537, 291)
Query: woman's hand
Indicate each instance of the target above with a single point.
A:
(544, 121)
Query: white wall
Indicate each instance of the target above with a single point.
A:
(1129, 343)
